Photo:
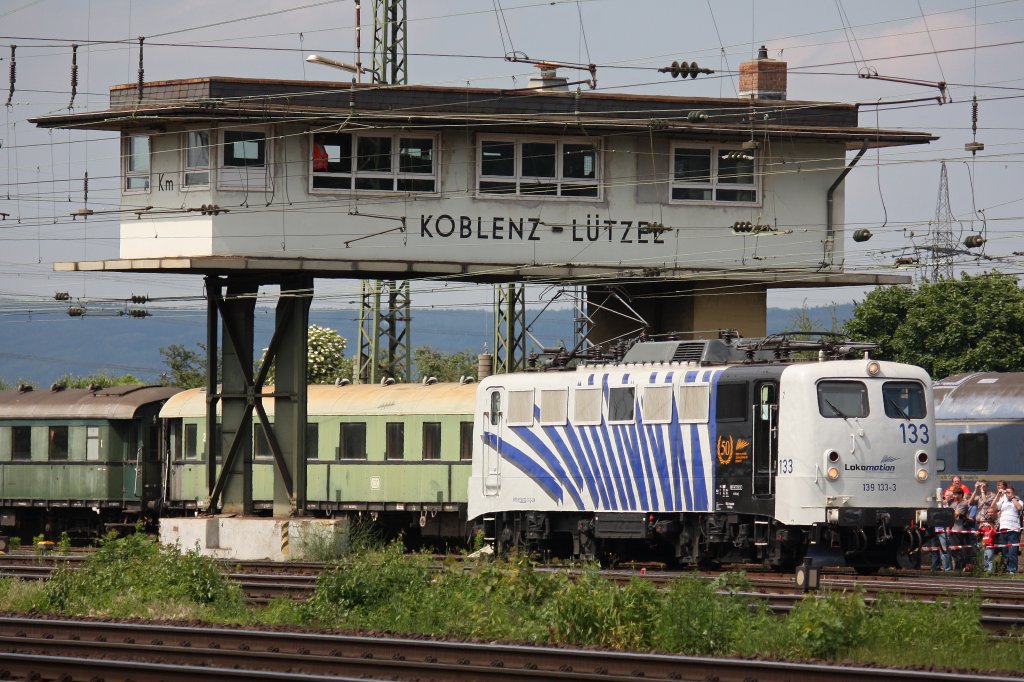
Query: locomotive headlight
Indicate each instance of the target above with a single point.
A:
(874, 368)
(833, 473)
(832, 456)
(922, 474)
(922, 457)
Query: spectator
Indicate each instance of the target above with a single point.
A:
(940, 542)
(981, 498)
(1009, 507)
(960, 536)
(988, 538)
(957, 483)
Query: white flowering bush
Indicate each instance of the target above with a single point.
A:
(325, 357)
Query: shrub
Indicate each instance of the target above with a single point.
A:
(694, 619)
(825, 627)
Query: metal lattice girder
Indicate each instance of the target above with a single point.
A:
(241, 394)
(509, 327)
(384, 336)
(389, 42)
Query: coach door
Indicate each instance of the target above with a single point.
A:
(493, 430)
(766, 437)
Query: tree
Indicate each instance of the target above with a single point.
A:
(444, 366)
(186, 368)
(102, 380)
(325, 357)
(948, 327)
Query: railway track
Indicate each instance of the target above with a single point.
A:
(82, 649)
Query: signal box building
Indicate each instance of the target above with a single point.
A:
(694, 207)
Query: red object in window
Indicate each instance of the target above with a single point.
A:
(319, 157)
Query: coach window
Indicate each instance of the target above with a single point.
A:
(842, 399)
(191, 441)
(21, 442)
(58, 448)
(197, 159)
(465, 440)
(732, 401)
(621, 403)
(92, 443)
(260, 443)
(394, 436)
(657, 404)
(312, 440)
(432, 440)
(352, 441)
(135, 163)
(972, 452)
(904, 400)
(538, 167)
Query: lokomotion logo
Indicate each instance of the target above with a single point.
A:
(885, 464)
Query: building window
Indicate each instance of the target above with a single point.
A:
(972, 451)
(21, 442)
(432, 440)
(466, 440)
(713, 173)
(58, 448)
(197, 159)
(353, 441)
(136, 163)
(540, 167)
(192, 441)
(244, 160)
(394, 437)
(373, 162)
(621, 403)
(312, 440)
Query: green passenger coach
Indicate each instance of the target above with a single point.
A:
(79, 460)
(398, 454)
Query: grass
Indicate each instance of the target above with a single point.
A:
(379, 587)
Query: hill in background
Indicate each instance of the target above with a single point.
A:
(41, 350)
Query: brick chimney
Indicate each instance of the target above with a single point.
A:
(763, 78)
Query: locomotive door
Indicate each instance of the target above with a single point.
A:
(493, 430)
(766, 437)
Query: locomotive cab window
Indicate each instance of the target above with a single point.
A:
(904, 400)
(842, 399)
(621, 403)
(495, 407)
(732, 401)
(972, 452)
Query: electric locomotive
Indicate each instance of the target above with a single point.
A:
(706, 452)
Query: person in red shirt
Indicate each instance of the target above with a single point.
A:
(958, 483)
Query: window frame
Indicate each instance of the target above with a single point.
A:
(312, 439)
(620, 389)
(887, 406)
(681, 404)
(388, 454)
(465, 441)
(720, 403)
(127, 173)
(961, 447)
(50, 438)
(512, 398)
(190, 432)
(395, 174)
(645, 410)
(429, 426)
(16, 454)
(211, 150)
(545, 418)
(342, 428)
(866, 404)
(252, 178)
(596, 420)
(259, 439)
(559, 179)
(714, 184)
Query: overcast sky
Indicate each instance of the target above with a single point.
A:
(891, 192)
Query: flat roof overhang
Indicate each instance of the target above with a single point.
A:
(171, 105)
(271, 268)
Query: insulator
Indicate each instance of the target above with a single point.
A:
(974, 114)
(973, 241)
(74, 75)
(861, 235)
(142, 71)
(75, 311)
(12, 75)
(694, 69)
(135, 312)
(696, 116)
(85, 188)
(62, 296)
(136, 298)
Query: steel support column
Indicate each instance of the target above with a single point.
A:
(389, 42)
(384, 333)
(509, 327)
